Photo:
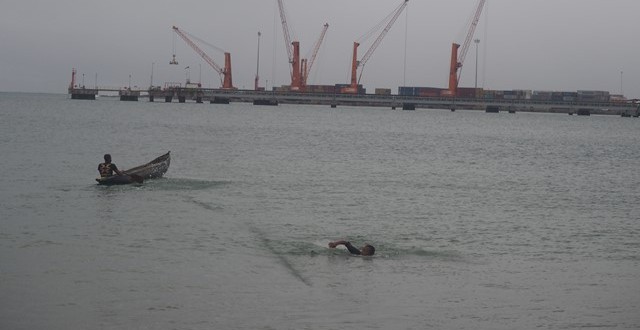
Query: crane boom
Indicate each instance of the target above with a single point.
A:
(472, 29)
(353, 88)
(285, 31)
(225, 74)
(314, 53)
(458, 60)
(293, 51)
(386, 29)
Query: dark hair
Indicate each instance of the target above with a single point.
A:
(369, 248)
(107, 158)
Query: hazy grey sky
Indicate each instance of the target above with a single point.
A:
(525, 44)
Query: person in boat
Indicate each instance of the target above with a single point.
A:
(107, 168)
(365, 250)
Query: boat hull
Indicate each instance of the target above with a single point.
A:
(115, 180)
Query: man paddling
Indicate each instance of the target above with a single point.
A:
(107, 168)
(366, 250)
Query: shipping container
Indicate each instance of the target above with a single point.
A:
(446, 93)
(593, 96)
(340, 87)
(407, 91)
(429, 93)
(470, 92)
(323, 89)
(617, 98)
(541, 95)
(556, 96)
(383, 91)
(523, 94)
(283, 88)
(492, 94)
(599, 93)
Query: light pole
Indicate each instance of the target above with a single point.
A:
(621, 90)
(477, 41)
(257, 80)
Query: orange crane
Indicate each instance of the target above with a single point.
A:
(457, 61)
(299, 68)
(225, 74)
(293, 51)
(355, 79)
(307, 68)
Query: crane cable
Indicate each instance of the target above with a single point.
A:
(367, 35)
(204, 42)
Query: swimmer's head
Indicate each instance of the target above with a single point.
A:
(367, 250)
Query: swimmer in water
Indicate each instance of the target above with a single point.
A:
(366, 250)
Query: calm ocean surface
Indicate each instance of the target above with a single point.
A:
(481, 221)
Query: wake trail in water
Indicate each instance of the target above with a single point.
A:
(204, 205)
(281, 258)
(265, 241)
(182, 184)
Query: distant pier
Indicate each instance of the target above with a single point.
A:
(83, 93)
(272, 98)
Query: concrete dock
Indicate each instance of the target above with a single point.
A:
(221, 96)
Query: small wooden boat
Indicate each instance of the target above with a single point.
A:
(151, 170)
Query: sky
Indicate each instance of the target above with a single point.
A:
(550, 45)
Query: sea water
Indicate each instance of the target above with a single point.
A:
(480, 221)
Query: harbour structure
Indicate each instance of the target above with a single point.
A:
(457, 58)
(80, 92)
(225, 73)
(409, 102)
(355, 87)
(300, 68)
(408, 97)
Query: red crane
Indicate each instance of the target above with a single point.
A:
(458, 60)
(307, 68)
(355, 79)
(293, 51)
(299, 68)
(225, 74)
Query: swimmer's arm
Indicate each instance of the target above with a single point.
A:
(347, 244)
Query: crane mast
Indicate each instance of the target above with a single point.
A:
(316, 48)
(225, 74)
(457, 61)
(355, 63)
